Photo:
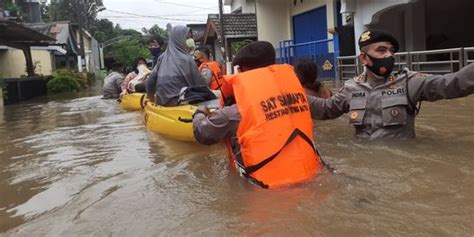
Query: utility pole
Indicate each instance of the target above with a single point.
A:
(225, 54)
(80, 14)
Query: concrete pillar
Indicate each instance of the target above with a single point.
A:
(79, 63)
(101, 55)
(87, 60)
(1, 96)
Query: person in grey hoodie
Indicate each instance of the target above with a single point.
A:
(111, 88)
(174, 70)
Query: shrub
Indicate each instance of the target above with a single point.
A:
(63, 83)
(79, 77)
(90, 77)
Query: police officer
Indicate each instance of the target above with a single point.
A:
(382, 104)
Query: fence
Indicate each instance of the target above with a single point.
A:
(468, 56)
(430, 61)
(20, 89)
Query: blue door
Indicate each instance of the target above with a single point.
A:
(310, 26)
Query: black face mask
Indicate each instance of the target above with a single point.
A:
(155, 51)
(382, 66)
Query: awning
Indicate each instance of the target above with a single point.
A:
(14, 33)
(58, 50)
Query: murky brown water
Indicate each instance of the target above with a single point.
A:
(83, 167)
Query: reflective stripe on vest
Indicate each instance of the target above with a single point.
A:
(275, 131)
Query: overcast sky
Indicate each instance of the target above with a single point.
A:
(136, 14)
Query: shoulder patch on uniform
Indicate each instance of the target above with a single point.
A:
(391, 78)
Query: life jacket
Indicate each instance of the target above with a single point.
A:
(216, 74)
(275, 130)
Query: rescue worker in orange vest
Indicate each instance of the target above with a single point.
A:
(209, 69)
(266, 120)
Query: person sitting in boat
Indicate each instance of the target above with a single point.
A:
(135, 80)
(155, 45)
(112, 82)
(174, 70)
(266, 121)
(210, 70)
(307, 73)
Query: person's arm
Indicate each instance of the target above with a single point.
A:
(207, 74)
(195, 78)
(213, 128)
(151, 84)
(424, 87)
(124, 84)
(329, 108)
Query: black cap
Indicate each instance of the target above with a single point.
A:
(255, 55)
(373, 36)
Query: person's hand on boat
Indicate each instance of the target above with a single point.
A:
(202, 109)
(150, 98)
(124, 92)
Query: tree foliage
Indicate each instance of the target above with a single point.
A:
(126, 51)
(123, 50)
(83, 12)
(155, 30)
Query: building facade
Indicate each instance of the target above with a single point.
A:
(241, 6)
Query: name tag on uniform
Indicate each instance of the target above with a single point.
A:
(359, 94)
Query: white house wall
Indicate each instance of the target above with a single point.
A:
(247, 6)
(13, 63)
(235, 5)
(273, 21)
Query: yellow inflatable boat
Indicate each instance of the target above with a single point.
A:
(172, 122)
(132, 102)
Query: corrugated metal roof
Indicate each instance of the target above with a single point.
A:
(17, 33)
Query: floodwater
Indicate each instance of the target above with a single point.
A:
(83, 167)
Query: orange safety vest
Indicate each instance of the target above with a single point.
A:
(275, 130)
(216, 74)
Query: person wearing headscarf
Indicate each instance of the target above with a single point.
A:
(174, 70)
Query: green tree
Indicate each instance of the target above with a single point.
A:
(82, 12)
(103, 30)
(127, 32)
(155, 30)
(126, 51)
(45, 12)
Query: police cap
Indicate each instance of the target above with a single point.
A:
(374, 36)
